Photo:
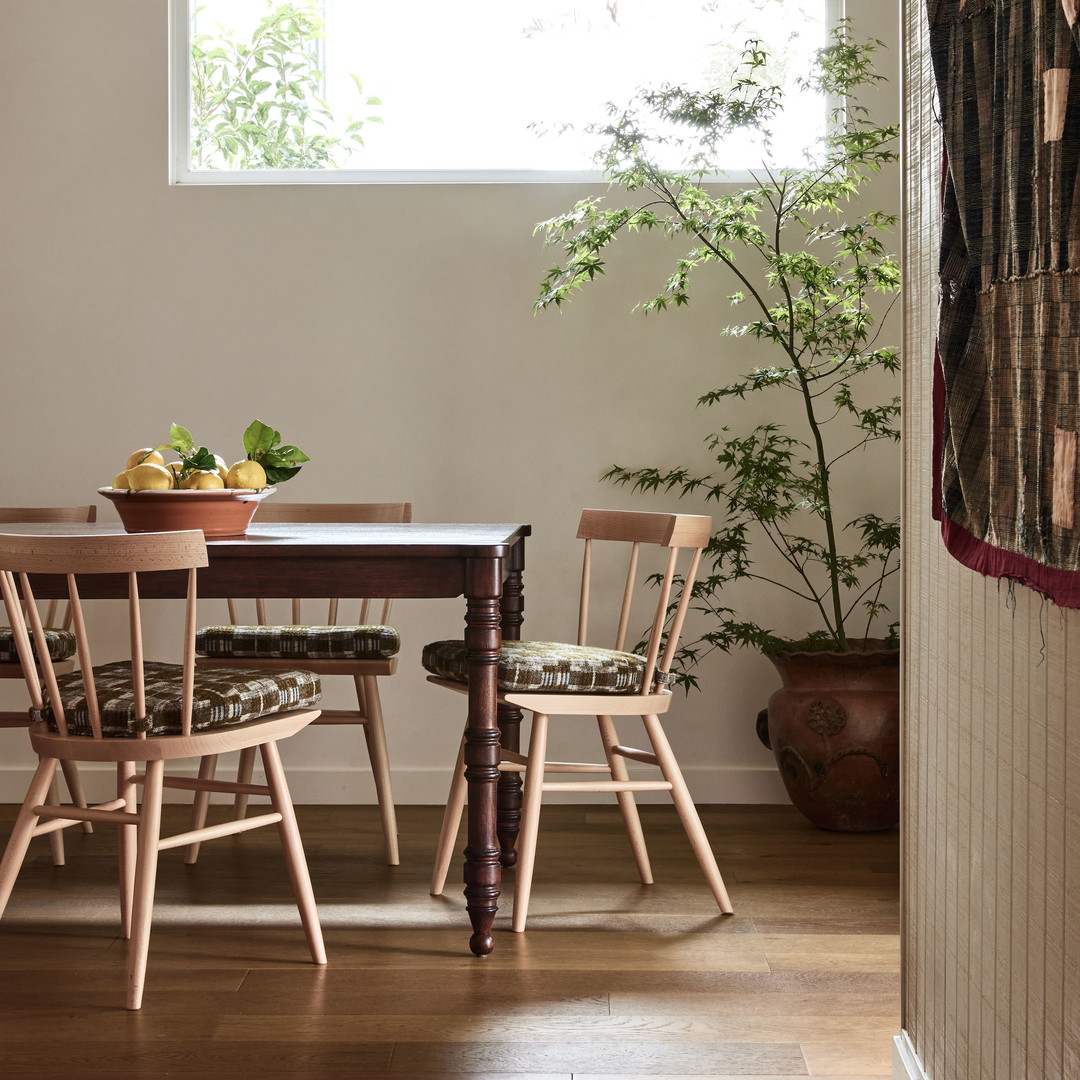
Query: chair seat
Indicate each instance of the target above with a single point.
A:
(60, 643)
(546, 665)
(299, 642)
(224, 697)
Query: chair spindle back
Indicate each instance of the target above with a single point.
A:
(685, 535)
(36, 515)
(131, 555)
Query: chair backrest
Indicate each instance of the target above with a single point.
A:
(134, 554)
(36, 515)
(371, 610)
(684, 535)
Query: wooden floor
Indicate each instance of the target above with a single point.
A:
(612, 979)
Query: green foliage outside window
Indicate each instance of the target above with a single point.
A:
(258, 104)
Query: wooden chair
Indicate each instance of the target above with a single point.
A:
(61, 647)
(365, 650)
(135, 711)
(548, 678)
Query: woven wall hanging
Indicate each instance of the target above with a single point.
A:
(1007, 401)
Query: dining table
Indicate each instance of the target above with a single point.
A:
(482, 563)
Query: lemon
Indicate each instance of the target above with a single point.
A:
(147, 455)
(120, 480)
(222, 468)
(149, 477)
(202, 480)
(174, 467)
(246, 474)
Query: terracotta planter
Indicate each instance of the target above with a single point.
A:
(218, 513)
(834, 728)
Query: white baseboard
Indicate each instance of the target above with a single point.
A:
(906, 1063)
(322, 786)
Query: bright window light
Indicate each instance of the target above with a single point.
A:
(352, 91)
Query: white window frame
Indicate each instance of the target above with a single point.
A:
(181, 173)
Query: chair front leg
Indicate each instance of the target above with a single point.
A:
(293, 850)
(128, 841)
(530, 820)
(149, 829)
(23, 830)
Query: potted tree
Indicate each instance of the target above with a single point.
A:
(807, 261)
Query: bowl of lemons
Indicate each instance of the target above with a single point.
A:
(200, 490)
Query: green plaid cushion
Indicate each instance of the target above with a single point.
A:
(547, 666)
(61, 644)
(224, 697)
(299, 642)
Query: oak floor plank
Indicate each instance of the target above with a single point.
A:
(612, 979)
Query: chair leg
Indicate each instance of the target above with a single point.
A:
(56, 839)
(149, 830)
(75, 790)
(688, 814)
(200, 806)
(451, 822)
(293, 850)
(245, 770)
(128, 842)
(627, 804)
(530, 820)
(367, 692)
(23, 830)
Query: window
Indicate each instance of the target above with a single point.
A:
(352, 91)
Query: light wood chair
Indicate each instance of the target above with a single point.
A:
(365, 651)
(64, 644)
(548, 678)
(135, 711)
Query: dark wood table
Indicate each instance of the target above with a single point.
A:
(483, 563)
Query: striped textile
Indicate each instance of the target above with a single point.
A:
(547, 666)
(299, 642)
(1008, 79)
(224, 697)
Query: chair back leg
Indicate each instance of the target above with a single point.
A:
(367, 692)
(688, 815)
(627, 803)
(451, 823)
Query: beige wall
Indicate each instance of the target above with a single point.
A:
(992, 815)
(386, 330)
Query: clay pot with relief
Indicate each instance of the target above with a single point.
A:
(834, 728)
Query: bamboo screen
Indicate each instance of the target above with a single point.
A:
(992, 788)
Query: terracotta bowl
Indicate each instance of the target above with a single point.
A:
(218, 512)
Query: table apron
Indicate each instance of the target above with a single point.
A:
(270, 576)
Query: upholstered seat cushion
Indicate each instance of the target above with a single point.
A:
(546, 666)
(224, 697)
(61, 644)
(299, 642)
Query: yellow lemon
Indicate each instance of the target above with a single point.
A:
(120, 480)
(222, 468)
(246, 474)
(148, 477)
(202, 480)
(174, 467)
(147, 456)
